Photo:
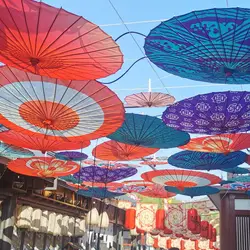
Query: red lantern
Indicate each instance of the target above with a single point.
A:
(185, 238)
(198, 226)
(169, 243)
(192, 219)
(204, 229)
(179, 235)
(155, 245)
(130, 218)
(210, 231)
(160, 217)
(167, 231)
(140, 231)
(214, 234)
(182, 245)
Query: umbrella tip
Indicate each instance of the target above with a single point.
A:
(34, 61)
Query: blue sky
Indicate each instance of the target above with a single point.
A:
(101, 12)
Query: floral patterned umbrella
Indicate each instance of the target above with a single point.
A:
(53, 42)
(10, 151)
(104, 175)
(236, 170)
(157, 191)
(148, 131)
(192, 192)
(241, 179)
(224, 143)
(206, 161)
(115, 151)
(71, 156)
(207, 45)
(43, 167)
(242, 185)
(96, 192)
(26, 141)
(180, 178)
(154, 161)
(54, 109)
(212, 113)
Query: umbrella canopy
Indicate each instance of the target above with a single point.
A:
(224, 143)
(116, 151)
(241, 186)
(154, 163)
(192, 192)
(241, 179)
(26, 141)
(206, 161)
(96, 192)
(43, 167)
(71, 156)
(212, 113)
(10, 151)
(208, 46)
(134, 186)
(180, 178)
(236, 170)
(69, 179)
(44, 40)
(104, 175)
(57, 109)
(157, 191)
(148, 131)
(149, 100)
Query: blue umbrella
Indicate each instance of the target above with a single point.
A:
(241, 179)
(97, 192)
(195, 191)
(236, 170)
(224, 182)
(148, 131)
(71, 156)
(206, 161)
(248, 193)
(208, 46)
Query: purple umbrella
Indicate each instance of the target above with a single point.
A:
(71, 156)
(104, 175)
(212, 113)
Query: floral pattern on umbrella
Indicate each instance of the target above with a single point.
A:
(96, 192)
(212, 113)
(207, 45)
(43, 167)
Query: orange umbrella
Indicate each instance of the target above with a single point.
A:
(223, 143)
(25, 141)
(157, 191)
(115, 151)
(48, 41)
(54, 109)
(43, 167)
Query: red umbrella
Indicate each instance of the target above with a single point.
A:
(54, 109)
(180, 178)
(115, 151)
(223, 143)
(48, 41)
(43, 167)
(157, 191)
(25, 141)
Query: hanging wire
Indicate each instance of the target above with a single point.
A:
(129, 32)
(158, 76)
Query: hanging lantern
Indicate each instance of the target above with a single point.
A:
(160, 217)
(140, 231)
(71, 226)
(192, 215)
(65, 225)
(204, 229)
(36, 220)
(80, 227)
(24, 216)
(214, 235)
(210, 231)
(169, 243)
(44, 222)
(92, 217)
(182, 243)
(51, 222)
(198, 226)
(103, 220)
(167, 231)
(156, 241)
(130, 218)
(58, 225)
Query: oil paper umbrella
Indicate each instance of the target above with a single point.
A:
(104, 175)
(116, 151)
(180, 178)
(192, 192)
(208, 46)
(32, 142)
(54, 109)
(148, 131)
(241, 186)
(71, 156)
(241, 179)
(43, 167)
(10, 151)
(206, 161)
(48, 41)
(157, 191)
(154, 161)
(212, 113)
(224, 143)
(97, 192)
(73, 182)
(236, 170)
